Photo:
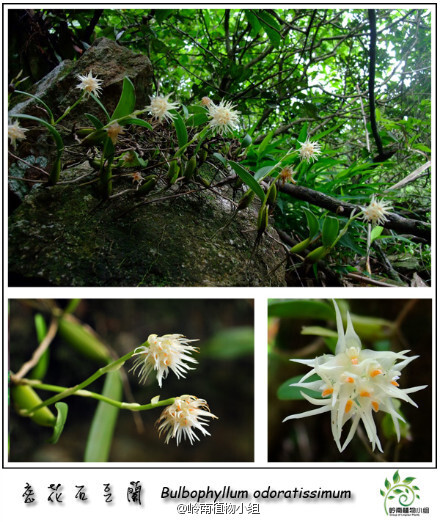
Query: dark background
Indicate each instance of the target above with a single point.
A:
(310, 439)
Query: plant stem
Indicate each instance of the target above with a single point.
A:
(66, 112)
(133, 406)
(115, 365)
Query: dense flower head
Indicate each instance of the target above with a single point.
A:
(224, 117)
(160, 107)
(183, 417)
(309, 150)
(162, 354)
(206, 102)
(354, 384)
(89, 84)
(286, 174)
(15, 132)
(376, 211)
(114, 130)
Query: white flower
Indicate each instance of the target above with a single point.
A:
(163, 354)
(376, 211)
(309, 150)
(15, 132)
(224, 117)
(182, 417)
(160, 107)
(114, 130)
(354, 384)
(89, 84)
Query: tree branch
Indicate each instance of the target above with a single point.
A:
(419, 229)
(371, 77)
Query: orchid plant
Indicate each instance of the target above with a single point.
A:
(183, 416)
(354, 384)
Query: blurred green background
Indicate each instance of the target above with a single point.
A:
(387, 324)
(224, 377)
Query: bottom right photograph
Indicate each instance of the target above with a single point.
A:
(350, 380)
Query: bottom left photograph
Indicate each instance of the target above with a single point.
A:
(131, 380)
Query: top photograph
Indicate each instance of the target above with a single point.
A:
(219, 147)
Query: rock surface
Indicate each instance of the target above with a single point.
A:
(65, 236)
(106, 60)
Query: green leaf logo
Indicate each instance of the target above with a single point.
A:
(399, 491)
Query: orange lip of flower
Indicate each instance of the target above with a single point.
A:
(348, 405)
(376, 372)
(327, 391)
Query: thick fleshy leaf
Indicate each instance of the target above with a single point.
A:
(136, 121)
(94, 120)
(330, 230)
(247, 178)
(126, 102)
(300, 308)
(182, 133)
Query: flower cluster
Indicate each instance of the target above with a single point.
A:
(160, 107)
(15, 132)
(355, 383)
(114, 130)
(376, 211)
(309, 150)
(162, 354)
(89, 84)
(182, 417)
(224, 117)
(286, 174)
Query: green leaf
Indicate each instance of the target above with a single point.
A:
(318, 330)
(408, 480)
(99, 103)
(263, 145)
(136, 121)
(300, 308)
(312, 222)
(39, 100)
(197, 119)
(387, 484)
(303, 133)
(382, 493)
(271, 27)
(253, 20)
(55, 134)
(230, 343)
(247, 140)
(376, 232)
(220, 157)
(248, 179)
(126, 102)
(196, 109)
(261, 173)
(396, 477)
(287, 392)
(62, 410)
(162, 14)
(182, 134)
(94, 120)
(101, 432)
(330, 230)
(391, 497)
